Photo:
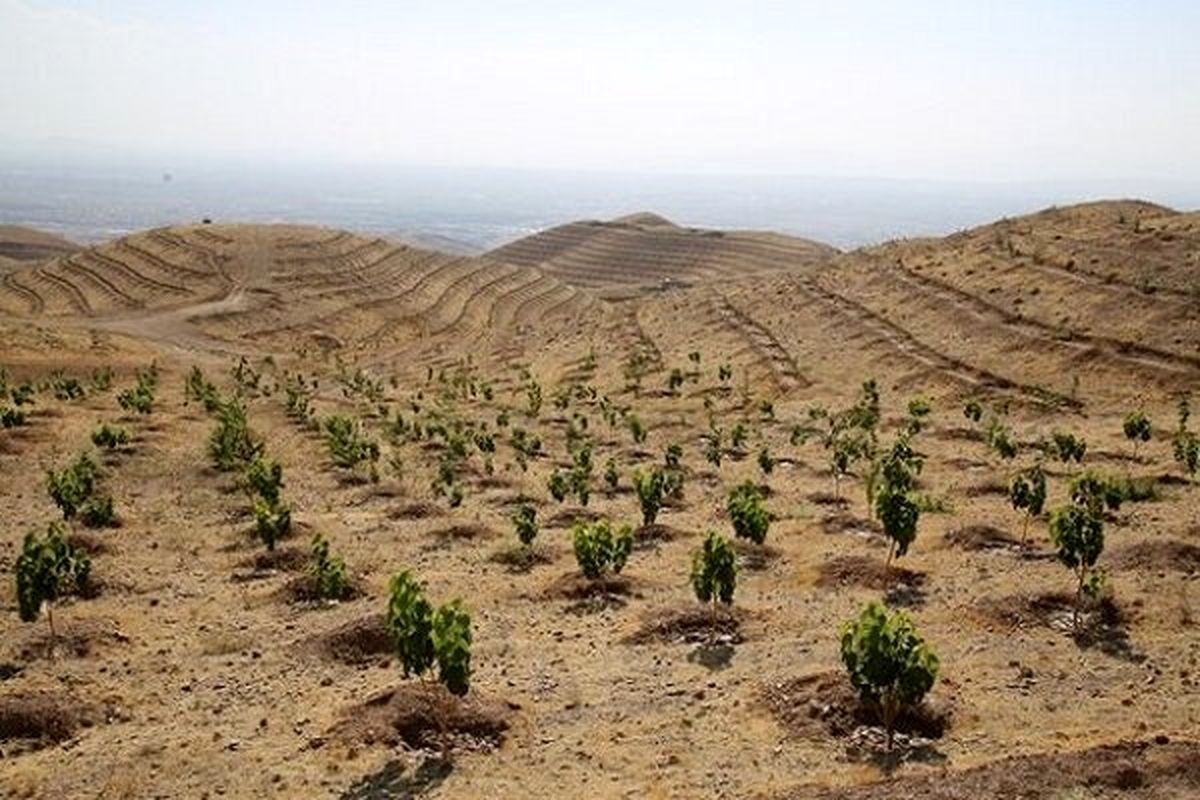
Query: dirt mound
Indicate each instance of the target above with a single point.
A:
(870, 573)
(358, 642)
(1160, 555)
(691, 624)
(425, 715)
(417, 510)
(42, 717)
(282, 559)
(1156, 769)
(981, 536)
(77, 638)
(825, 704)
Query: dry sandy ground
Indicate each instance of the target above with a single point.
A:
(194, 673)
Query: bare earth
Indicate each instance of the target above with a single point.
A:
(195, 672)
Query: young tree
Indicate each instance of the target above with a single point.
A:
(47, 569)
(1137, 429)
(611, 477)
(888, 662)
(1185, 443)
(348, 447)
(1027, 492)
(766, 462)
(1078, 534)
(714, 572)
(328, 571)
(1067, 447)
(636, 429)
(651, 487)
(272, 522)
(264, 478)
(898, 514)
(746, 511)
(71, 487)
(598, 551)
(110, 437)
(233, 445)
(525, 522)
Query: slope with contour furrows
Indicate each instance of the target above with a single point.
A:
(963, 316)
(646, 251)
(275, 286)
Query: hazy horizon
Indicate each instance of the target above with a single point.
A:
(927, 90)
(481, 121)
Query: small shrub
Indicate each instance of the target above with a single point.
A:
(11, 417)
(233, 445)
(598, 551)
(347, 446)
(328, 571)
(272, 522)
(714, 570)
(651, 488)
(424, 636)
(199, 389)
(1078, 535)
(611, 477)
(98, 512)
(747, 513)
(264, 478)
(766, 462)
(636, 429)
(1027, 493)
(525, 522)
(110, 437)
(47, 569)
(1067, 447)
(888, 663)
(70, 488)
(1137, 429)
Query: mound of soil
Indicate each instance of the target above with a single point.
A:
(866, 572)
(568, 517)
(462, 532)
(848, 523)
(426, 715)
(1155, 769)
(521, 559)
(754, 557)
(691, 624)
(90, 543)
(1101, 624)
(985, 488)
(43, 717)
(981, 536)
(828, 499)
(1161, 555)
(283, 559)
(76, 639)
(361, 641)
(655, 534)
(417, 510)
(825, 704)
(303, 589)
(574, 586)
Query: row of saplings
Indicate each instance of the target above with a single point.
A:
(49, 566)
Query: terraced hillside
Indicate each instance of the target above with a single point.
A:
(645, 251)
(272, 286)
(28, 244)
(417, 403)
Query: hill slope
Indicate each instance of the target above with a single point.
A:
(647, 251)
(28, 244)
(277, 285)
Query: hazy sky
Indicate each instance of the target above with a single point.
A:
(1045, 89)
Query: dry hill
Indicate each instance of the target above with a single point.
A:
(198, 663)
(646, 251)
(27, 244)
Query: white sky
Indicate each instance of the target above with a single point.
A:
(1022, 90)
